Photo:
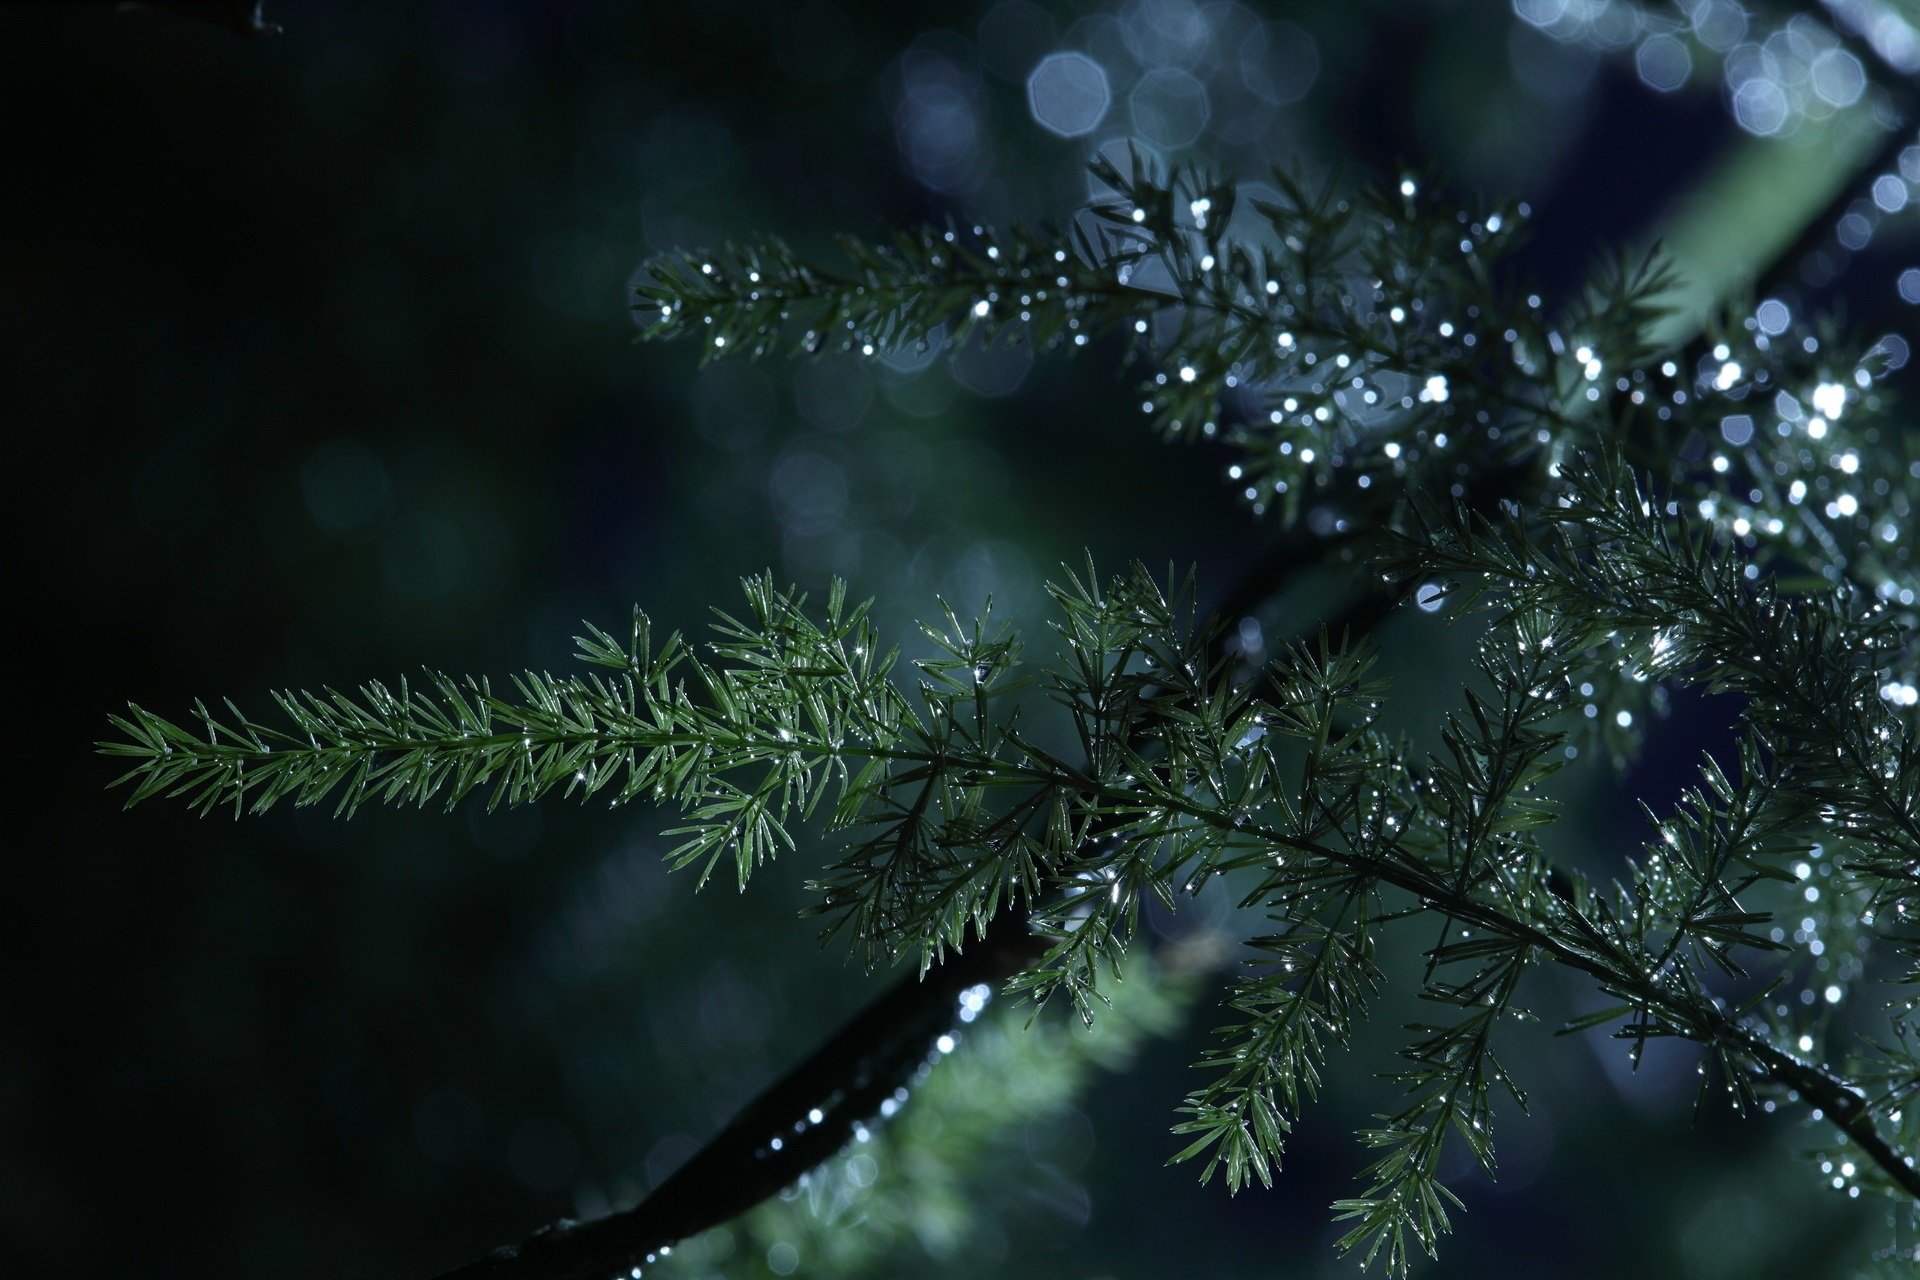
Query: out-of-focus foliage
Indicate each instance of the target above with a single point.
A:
(989, 1131)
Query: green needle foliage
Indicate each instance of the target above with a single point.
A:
(1382, 381)
(1326, 334)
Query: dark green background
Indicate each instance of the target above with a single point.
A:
(318, 367)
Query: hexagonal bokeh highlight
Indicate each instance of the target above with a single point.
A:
(1837, 77)
(1170, 108)
(1761, 106)
(1068, 94)
(1664, 63)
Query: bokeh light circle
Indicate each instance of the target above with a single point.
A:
(1068, 94)
(1170, 108)
(1664, 63)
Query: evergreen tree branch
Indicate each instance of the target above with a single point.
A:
(1358, 352)
(799, 709)
(1813, 669)
(1369, 333)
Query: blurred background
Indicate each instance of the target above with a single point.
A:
(320, 367)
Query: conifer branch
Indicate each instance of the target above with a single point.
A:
(1364, 353)
(1187, 777)
(1367, 333)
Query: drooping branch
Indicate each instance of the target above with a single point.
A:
(796, 1123)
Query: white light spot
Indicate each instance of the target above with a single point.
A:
(1830, 399)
